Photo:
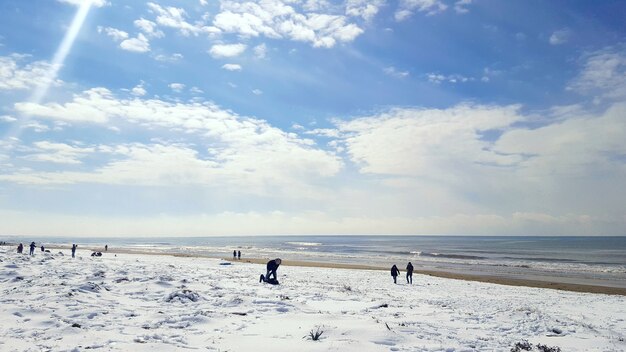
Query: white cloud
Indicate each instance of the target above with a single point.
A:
(316, 5)
(196, 90)
(392, 71)
(14, 75)
(246, 154)
(36, 126)
(116, 34)
(603, 75)
(232, 67)
(568, 167)
(137, 45)
(177, 87)
(227, 50)
(324, 132)
(454, 78)
(560, 37)
(260, 51)
(7, 118)
(60, 153)
(461, 6)
(407, 7)
(174, 17)
(257, 91)
(169, 58)
(96, 3)
(366, 9)
(149, 28)
(139, 90)
(276, 19)
(412, 141)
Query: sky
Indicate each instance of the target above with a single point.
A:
(222, 117)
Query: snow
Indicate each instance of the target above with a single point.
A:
(126, 302)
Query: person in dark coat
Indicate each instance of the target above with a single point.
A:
(74, 250)
(271, 281)
(409, 273)
(272, 266)
(20, 248)
(42, 248)
(234, 254)
(32, 248)
(395, 272)
(239, 255)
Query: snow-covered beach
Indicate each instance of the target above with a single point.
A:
(133, 302)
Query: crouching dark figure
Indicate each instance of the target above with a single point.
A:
(272, 281)
(270, 276)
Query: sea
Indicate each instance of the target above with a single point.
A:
(583, 260)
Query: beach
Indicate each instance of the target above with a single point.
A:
(141, 302)
(566, 275)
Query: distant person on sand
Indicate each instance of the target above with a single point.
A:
(234, 254)
(409, 273)
(239, 255)
(272, 266)
(74, 250)
(106, 247)
(42, 248)
(20, 248)
(32, 248)
(395, 272)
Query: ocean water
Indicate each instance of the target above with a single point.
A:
(590, 260)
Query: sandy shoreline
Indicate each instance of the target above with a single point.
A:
(442, 274)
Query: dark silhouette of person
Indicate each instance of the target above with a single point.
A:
(239, 255)
(32, 248)
(42, 248)
(395, 272)
(271, 281)
(106, 247)
(272, 266)
(234, 254)
(20, 248)
(409, 273)
(74, 250)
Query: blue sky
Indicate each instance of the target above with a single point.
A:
(313, 117)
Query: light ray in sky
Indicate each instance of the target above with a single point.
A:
(57, 62)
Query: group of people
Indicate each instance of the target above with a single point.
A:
(236, 254)
(20, 250)
(271, 277)
(395, 272)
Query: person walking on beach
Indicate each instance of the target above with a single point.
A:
(74, 250)
(409, 273)
(239, 255)
(20, 248)
(395, 272)
(32, 248)
(272, 266)
(106, 247)
(42, 248)
(235, 254)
